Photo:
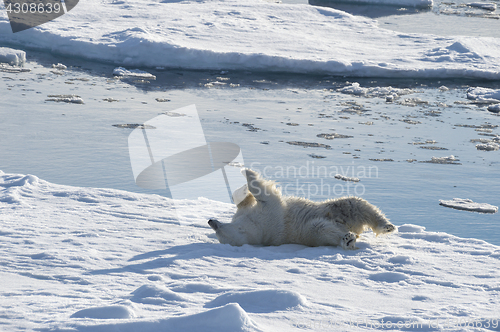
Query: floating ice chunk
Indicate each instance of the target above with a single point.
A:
(346, 178)
(469, 205)
(356, 89)
(74, 99)
(449, 158)
(133, 73)
(483, 5)
(59, 66)
(494, 108)
(488, 147)
(443, 160)
(483, 94)
(12, 57)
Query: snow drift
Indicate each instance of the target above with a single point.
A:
(85, 259)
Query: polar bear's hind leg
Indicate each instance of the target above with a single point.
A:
(348, 241)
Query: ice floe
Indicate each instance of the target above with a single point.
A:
(346, 178)
(494, 108)
(389, 92)
(483, 94)
(254, 35)
(488, 146)
(469, 205)
(72, 99)
(483, 5)
(133, 73)
(12, 56)
(443, 160)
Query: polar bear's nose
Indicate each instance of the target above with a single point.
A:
(214, 224)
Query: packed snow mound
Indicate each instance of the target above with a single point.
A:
(469, 205)
(152, 294)
(122, 261)
(483, 94)
(260, 301)
(110, 312)
(254, 35)
(12, 57)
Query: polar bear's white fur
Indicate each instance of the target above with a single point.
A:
(265, 217)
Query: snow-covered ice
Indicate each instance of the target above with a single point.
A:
(12, 56)
(59, 66)
(73, 99)
(346, 178)
(483, 94)
(494, 108)
(483, 5)
(254, 35)
(444, 160)
(488, 146)
(356, 89)
(469, 205)
(135, 73)
(86, 259)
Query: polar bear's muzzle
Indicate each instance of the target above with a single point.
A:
(214, 223)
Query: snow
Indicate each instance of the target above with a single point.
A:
(494, 108)
(59, 66)
(254, 35)
(356, 89)
(483, 5)
(89, 259)
(346, 178)
(469, 205)
(485, 94)
(488, 146)
(135, 73)
(73, 99)
(12, 56)
(110, 312)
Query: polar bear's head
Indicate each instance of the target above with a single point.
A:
(235, 233)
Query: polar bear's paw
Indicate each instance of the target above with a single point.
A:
(386, 229)
(348, 241)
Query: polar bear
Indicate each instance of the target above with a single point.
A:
(265, 217)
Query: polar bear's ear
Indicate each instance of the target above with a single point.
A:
(240, 194)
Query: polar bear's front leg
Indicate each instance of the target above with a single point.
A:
(262, 190)
(348, 241)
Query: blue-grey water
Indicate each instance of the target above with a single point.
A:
(77, 144)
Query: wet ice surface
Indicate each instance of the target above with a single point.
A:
(469, 205)
(399, 150)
